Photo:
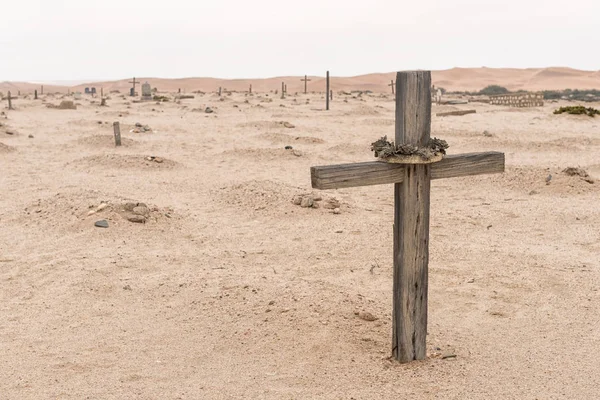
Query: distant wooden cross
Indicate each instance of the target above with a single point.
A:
(392, 86)
(133, 88)
(305, 80)
(220, 90)
(282, 90)
(411, 209)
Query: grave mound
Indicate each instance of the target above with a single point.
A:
(104, 141)
(124, 161)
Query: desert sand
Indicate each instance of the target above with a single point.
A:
(455, 79)
(231, 291)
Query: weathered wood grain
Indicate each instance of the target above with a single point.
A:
(411, 221)
(378, 173)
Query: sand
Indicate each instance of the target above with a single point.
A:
(231, 291)
(455, 79)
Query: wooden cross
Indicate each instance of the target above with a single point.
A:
(133, 89)
(305, 80)
(411, 209)
(327, 92)
(282, 90)
(220, 89)
(35, 94)
(392, 86)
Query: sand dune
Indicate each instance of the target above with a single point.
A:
(456, 79)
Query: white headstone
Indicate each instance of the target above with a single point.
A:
(146, 91)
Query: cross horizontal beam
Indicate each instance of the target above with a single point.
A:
(378, 172)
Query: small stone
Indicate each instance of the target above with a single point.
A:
(332, 204)
(30, 136)
(448, 355)
(129, 206)
(140, 210)
(288, 125)
(337, 211)
(139, 219)
(158, 160)
(101, 207)
(101, 224)
(272, 302)
(306, 202)
(208, 110)
(297, 200)
(367, 316)
(472, 280)
(289, 148)
(548, 179)
(138, 125)
(340, 231)
(126, 287)
(487, 134)
(533, 192)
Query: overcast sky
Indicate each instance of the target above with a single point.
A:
(112, 39)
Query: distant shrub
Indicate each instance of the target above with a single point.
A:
(578, 110)
(493, 89)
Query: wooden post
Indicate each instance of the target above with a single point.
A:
(285, 88)
(305, 80)
(117, 129)
(35, 94)
(326, 92)
(102, 92)
(282, 90)
(42, 89)
(18, 93)
(179, 90)
(9, 101)
(250, 91)
(220, 89)
(331, 95)
(392, 85)
(411, 220)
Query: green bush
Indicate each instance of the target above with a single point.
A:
(493, 89)
(578, 110)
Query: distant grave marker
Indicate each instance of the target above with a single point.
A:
(132, 90)
(10, 107)
(326, 92)
(146, 91)
(86, 90)
(282, 90)
(392, 85)
(117, 129)
(35, 97)
(411, 209)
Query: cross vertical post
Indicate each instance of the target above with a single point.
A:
(220, 89)
(35, 94)
(331, 95)
(282, 90)
(250, 91)
(42, 89)
(9, 101)
(392, 86)
(327, 92)
(305, 80)
(411, 220)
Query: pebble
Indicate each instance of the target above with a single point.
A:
(102, 223)
(208, 110)
(289, 148)
(288, 125)
(101, 207)
(126, 287)
(30, 136)
(306, 202)
(472, 280)
(487, 134)
(367, 316)
(140, 219)
(140, 210)
(337, 211)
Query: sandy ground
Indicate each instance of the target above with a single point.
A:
(230, 291)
